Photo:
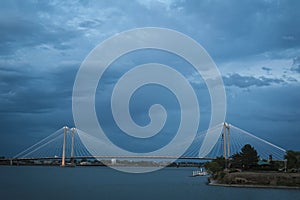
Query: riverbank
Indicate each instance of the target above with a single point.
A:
(254, 186)
(257, 180)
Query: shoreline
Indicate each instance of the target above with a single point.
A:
(257, 180)
(255, 186)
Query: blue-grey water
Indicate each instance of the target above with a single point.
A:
(41, 182)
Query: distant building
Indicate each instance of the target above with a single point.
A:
(262, 163)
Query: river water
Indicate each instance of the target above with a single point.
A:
(42, 182)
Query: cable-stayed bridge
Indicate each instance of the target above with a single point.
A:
(66, 143)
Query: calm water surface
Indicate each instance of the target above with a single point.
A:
(34, 182)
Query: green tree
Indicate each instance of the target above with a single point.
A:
(247, 158)
(213, 167)
(216, 165)
(221, 161)
(293, 159)
(236, 161)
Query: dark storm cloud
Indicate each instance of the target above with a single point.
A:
(22, 25)
(271, 113)
(27, 91)
(36, 91)
(33, 103)
(248, 81)
(17, 33)
(239, 28)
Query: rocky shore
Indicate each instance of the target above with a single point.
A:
(257, 179)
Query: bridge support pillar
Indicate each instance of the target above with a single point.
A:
(228, 145)
(72, 147)
(226, 142)
(63, 157)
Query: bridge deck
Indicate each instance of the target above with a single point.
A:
(112, 157)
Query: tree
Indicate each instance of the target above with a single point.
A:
(221, 161)
(213, 167)
(247, 158)
(216, 165)
(236, 161)
(293, 159)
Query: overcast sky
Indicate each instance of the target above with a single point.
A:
(255, 44)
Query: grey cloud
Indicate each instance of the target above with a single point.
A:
(296, 64)
(296, 68)
(242, 28)
(248, 81)
(17, 33)
(27, 91)
(289, 78)
(40, 101)
(266, 69)
(296, 60)
(90, 23)
(268, 112)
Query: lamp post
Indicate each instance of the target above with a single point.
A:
(285, 165)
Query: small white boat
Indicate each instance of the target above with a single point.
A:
(200, 172)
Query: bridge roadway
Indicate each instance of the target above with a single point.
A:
(113, 157)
